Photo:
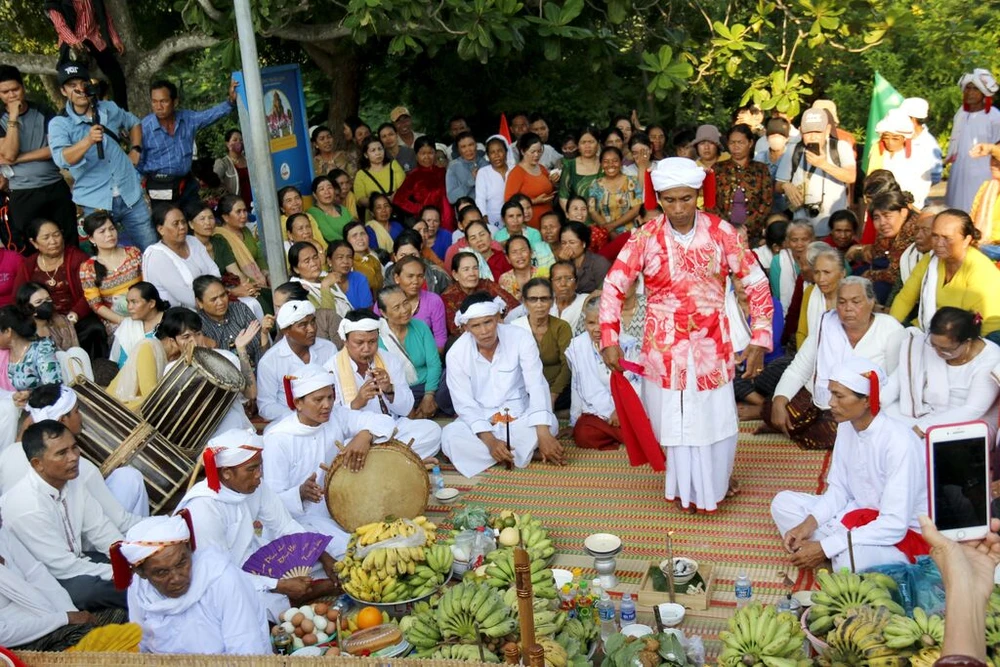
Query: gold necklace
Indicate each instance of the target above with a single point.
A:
(51, 282)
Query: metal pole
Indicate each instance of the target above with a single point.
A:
(262, 171)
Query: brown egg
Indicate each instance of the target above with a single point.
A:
(320, 608)
(307, 626)
(298, 618)
(333, 650)
(309, 639)
(332, 614)
(299, 632)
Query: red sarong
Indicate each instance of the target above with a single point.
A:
(637, 433)
(912, 545)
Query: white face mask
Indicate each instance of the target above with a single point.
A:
(776, 142)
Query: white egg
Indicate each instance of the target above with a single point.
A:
(288, 613)
(288, 627)
(322, 637)
(307, 611)
(320, 622)
(297, 643)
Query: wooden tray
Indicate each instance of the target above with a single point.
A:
(649, 598)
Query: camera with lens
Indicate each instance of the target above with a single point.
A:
(812, 210)
(92, 93)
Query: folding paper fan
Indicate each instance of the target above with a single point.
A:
(289, 556)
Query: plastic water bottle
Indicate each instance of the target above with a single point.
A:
(606, 612)
(627, 609)
(437, 480)
(744, 590)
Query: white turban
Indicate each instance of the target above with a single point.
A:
(147, 538)
(346, 326)
(862, 376)
(915, 107)
(896, 122)
(62, 407)
(677, 172)
(981, 79)
(232, 448)
(294, 311)
(310, 378)
(481, 309)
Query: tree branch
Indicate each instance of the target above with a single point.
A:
(211, 11)
(309, 33)
(791, 55)
(31, 63)
(154, 60)
(322, 58)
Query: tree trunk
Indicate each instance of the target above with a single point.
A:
(339, 60)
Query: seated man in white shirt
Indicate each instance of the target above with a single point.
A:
(297, 447)
(51, 512)
(876, 488)
(228, 505)
(122, 495)
(374, 380)
(36, 613)
(187, 601)
(495, 373)
(297, 348)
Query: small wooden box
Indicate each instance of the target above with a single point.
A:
(649, 598)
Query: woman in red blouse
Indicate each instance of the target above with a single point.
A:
(424, 185)
(530, 178)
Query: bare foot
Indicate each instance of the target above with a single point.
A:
(747, 412)
(430, 462)
(734, 489)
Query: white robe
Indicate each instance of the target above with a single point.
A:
(225, 521)
(881, 468)
(122, 495)
(278, 362)
(425, 433)
(968, 173)
(32, 603)
(913, 173)
(908, 261)
(220, 614)
(481, 388)
(590, 385)
(925, 391)
(571, 314)
(294, 451)
(926, 146)
(53, 525)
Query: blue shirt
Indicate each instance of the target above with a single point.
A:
(96, 181)
(459, 179)
(359, 293)
(442, 241)
(171, 155)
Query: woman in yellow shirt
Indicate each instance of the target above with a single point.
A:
(378, 173)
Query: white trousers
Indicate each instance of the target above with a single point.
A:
(471, 456)
(128, 487)
(699, 476)
(790, 508)
(425, 433)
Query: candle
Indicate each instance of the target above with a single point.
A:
(670, 564)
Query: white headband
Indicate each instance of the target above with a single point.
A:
(981, 79)
(346, 326)
(294, 311)
(895, 122)
(676, 172)
(62, 407)
(481, 309)
(151, 535)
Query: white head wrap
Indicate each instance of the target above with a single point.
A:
(677, 172)
(497, 136)
(981, 79)
(62, 407)
(150, 536)
(862, 376)
(481, 309)
(310, 378)
(895, 122)
(232, 448)
(294, 311)
(346, 326)
(915, 107)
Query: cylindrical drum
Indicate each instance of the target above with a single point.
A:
(114, 436)
(192, 398)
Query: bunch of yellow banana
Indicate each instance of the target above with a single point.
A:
(759, 634)
(398, 560)
(555, 653)
(361, 585)
(858, 640)
(439, 558)
(925, 657)
(373, 533)
(430, 529)
(842, 592)
(921, 631)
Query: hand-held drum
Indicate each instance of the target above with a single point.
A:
(393, 482)
(114, 436)
(192, 398)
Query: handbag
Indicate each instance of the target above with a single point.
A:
(162, 187)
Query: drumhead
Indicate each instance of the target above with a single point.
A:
(357, 498)
(218, 367)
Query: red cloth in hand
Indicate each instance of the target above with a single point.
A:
(637, 433)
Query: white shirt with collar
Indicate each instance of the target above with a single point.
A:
(52, 525)
(278, 362)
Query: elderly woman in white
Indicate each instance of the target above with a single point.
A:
(801, 404)
(827, 268)
(945, 375)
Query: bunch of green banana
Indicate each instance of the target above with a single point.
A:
(469, 607)
(842, 592)
(858, 640)
(421, 630)
(500, 574)
(439, 558)
(555, 653)
(534, 537)
(548, 621)
(921, 631)
(925, 657)
(585, 631)
(467, 652)
(759, 634)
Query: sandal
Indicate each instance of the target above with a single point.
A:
(733, 490)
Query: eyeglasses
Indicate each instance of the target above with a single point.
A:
(537, 299)
(947, 353)
(564, 279)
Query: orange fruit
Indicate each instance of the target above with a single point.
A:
(369, 617)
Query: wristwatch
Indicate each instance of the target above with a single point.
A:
(137, 148)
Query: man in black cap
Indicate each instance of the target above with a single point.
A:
(37, 189)
(84, 140)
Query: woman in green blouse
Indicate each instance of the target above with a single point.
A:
(552, 335)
